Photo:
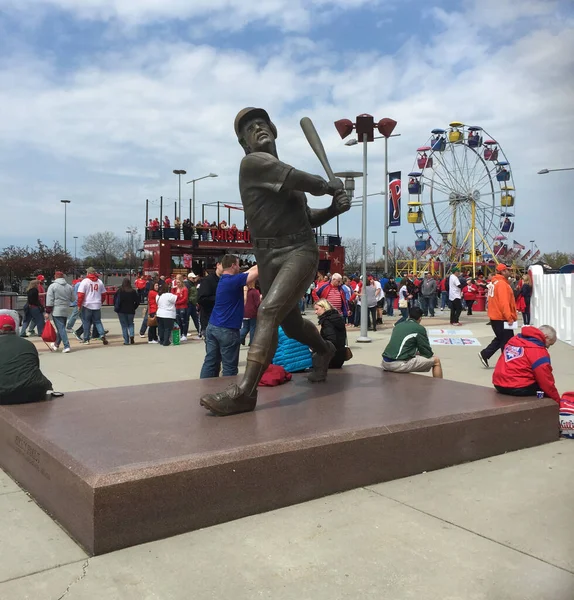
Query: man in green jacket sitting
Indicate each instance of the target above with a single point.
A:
(21, 380)
(409, 348)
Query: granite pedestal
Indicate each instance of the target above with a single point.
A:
(122, 466)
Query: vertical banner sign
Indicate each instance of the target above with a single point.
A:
(394, 199)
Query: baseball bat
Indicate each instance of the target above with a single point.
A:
(317, 145)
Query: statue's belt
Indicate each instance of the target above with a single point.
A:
(284, 241)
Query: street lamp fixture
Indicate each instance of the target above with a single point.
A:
(364, 126)
(192, 208)
(545, 171)
(377, 137)
(65, 203)
(179, 173)
(131, 232)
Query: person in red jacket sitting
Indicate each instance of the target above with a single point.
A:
(524, 366)
(469, 292)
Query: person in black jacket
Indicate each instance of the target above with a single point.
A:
(332, 330)
(206, 296)
(391, 292)
(33, 309)
(126, 301)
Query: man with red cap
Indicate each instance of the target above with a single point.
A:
(501, 312)
(281, 225)
(21, 380)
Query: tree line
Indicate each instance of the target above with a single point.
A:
(353, 252)
(103, 250)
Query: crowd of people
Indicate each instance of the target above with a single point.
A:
(223, 308)
(202, 230)
(455, 292)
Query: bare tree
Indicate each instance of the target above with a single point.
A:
(103, 249)
(557, 259)
(353, 249)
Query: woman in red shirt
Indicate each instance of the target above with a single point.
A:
(469, 292)
(181, 315)
(152, 310)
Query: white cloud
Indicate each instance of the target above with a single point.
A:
(288, 15)
(108, 134)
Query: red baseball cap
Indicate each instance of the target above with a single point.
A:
(7, 323)
(500, 267)
(40, 278)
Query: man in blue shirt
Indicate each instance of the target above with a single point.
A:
(222, 339)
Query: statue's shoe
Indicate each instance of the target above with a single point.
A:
(321, 364)
(229, 402)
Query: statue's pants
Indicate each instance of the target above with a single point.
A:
(285, 274)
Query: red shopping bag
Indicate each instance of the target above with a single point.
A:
(49, 333)
(567, 415)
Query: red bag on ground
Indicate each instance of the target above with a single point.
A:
(49, 333)
(275, 375)
(567, 415)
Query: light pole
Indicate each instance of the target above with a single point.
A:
(65, 203)
(131, 232)
(532, 247)
(349, 177)
(364, 126)
(374, 252)
(179, 173)
(75, 255)
(387, 133)
(193, 193)
(545, 171)
(394, 252)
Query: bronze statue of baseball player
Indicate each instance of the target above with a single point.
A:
(281, 225)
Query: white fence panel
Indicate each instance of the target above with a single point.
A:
(553, 302)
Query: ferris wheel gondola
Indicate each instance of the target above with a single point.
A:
(462, 194)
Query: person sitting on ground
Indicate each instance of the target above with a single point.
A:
(408, 350)
(524, 365)
(21, 380)
(292, 355)
(332, 330)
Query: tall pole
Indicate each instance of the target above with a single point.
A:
(65, 226)
(532, 247)
(473, 241)
(364, 308)
(193, 195)
(394, 252)
(75, 255)
(386, 221)
(179, 173)
(179, 195)
(65, 203)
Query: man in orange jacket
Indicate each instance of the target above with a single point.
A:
(501, 310)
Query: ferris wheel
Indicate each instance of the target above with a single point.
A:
(461, 196)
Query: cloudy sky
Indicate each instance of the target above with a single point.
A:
(101, 99)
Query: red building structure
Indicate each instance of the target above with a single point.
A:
(167, 251)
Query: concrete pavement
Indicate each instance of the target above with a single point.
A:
(497, 529)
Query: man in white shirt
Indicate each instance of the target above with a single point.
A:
(380, 297)
(455, 296)
(90, 304)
